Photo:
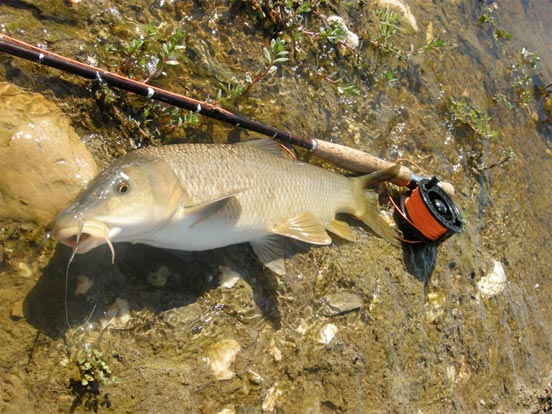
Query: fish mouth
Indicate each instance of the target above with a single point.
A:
(82, 236)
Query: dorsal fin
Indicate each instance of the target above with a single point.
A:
(304, 227)
(266, 144)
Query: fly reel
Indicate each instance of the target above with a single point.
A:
(429, 212)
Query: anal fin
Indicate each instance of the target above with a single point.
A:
(304, 227)
(342, 229)
(270, 251)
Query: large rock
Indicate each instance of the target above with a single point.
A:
(43, 163)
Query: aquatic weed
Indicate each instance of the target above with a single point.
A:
(147, 57)
(487, 18)
(272, 57)
(94, 372)
(473, 118)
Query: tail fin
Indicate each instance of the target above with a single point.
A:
(371, 215)
(378, 176)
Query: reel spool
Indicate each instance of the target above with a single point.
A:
(430, 213)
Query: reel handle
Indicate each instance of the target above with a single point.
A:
(363, 162)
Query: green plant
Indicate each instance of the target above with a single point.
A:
(146, 58)
(507, 156)
(473, 118)
(522, 73)
(273, 56)
(388, 28)
(94, 369)
(487, 18)
(94, 372)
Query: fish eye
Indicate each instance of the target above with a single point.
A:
(123, 187)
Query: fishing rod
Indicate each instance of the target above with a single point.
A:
(433, 209)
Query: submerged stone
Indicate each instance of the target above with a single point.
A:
(117, 316)
(327, 333)
(44, 164)
(83, 285)
(495, 282)
(221, 356)
(340, 302)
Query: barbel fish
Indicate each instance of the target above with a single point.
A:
(203, 196)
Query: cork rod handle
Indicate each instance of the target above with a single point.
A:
(363, 162)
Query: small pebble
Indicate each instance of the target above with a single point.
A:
(228, 277)
(327, 333)
(275, 352)
(340, 302)
(159, 277)
(83, 285)
(495, 282)
(254, 377)
(351, 38)
(221, 356)
(271, 398)
(117, 315)
(24, 270)
(17, 310)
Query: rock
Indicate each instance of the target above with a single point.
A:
(271, 398)
(403, 8)
(159, 277)
(24, 270)
(17, 311)
(274, 351)
(327, 333)
(228, 277)
(117, 316)
(44, 164)
(221, 356)
(83, 285)
(340, 302)
(351, 38)
(254, 377)
(495, 282)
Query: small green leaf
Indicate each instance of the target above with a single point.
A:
(267, 55)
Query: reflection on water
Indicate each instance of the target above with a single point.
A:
(446, 346)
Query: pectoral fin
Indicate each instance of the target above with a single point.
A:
(270, 251)
(342, 229)
(206, 209)
(304, 227)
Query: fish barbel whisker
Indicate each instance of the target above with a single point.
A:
(81, 227)
(108, 242)
(67, 287)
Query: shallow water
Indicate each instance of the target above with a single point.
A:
(409, 348)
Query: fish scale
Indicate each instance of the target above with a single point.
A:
(273, 184)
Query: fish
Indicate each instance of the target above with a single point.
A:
(195, 197)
